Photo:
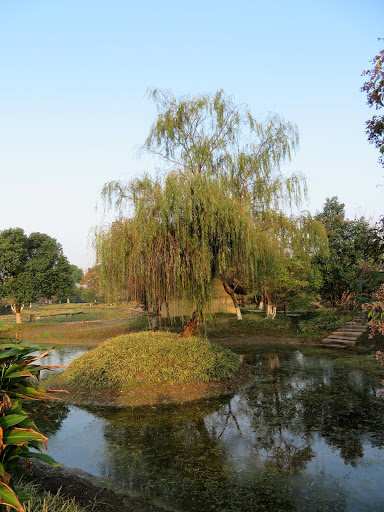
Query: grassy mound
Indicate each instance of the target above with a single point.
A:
(151, 359)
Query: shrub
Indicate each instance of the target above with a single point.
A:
(18, 400)
(150, 358)
(313, 323)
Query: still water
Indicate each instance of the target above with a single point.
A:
(307, 435)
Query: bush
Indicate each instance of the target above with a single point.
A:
(150, 358)
(313, 323)
(18, 401)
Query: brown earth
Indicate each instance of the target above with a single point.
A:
(149, 395)
(95, 494)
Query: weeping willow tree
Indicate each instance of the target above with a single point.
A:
(215, 214)
(184, 232)
(286, 249)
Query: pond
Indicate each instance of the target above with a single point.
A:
(307, 435)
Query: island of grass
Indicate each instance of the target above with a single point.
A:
(149, 368)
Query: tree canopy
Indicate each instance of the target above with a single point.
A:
(29, 266)
(356, 250)
(374, 87)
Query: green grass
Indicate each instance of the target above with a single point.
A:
(253, 324)
(151, 358)
(315, 324)
(42, 501)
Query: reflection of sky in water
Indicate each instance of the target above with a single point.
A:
(61, 357)
(305, 417)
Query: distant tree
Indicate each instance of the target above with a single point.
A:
(28, 267)
(356, 251)
(66, 277)
(90, 284)
(374, 87)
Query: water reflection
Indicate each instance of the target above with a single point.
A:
(307, 435)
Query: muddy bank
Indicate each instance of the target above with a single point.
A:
(94, 493)
(150, 395)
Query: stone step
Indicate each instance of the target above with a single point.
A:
(354, 322)
(346, 334)
(337, 346)
(354, 328)
(341, 338)
(342, 341)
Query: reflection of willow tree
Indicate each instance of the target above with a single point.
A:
(345, 412)
(322, 397)
(176, 457)
(274, 415)
(201, 457)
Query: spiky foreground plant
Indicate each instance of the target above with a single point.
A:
(19, 399)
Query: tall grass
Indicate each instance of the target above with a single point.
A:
(150, 358)
(43, 501)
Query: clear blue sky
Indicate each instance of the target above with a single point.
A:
(73, 109)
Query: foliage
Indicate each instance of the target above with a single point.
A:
(30, 266)
(66, 277)
(285, 271)
(375, 312)
(149, 358)
(374, 87)
(216, 214)
(18, 401)
(253, 324)
(313, 323)
(90, 284)
(356, 249)
(182, 235)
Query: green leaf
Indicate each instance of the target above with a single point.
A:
(8, 497)
(10, 420)
(16, 436)
(23, 496)
(41, 456)
(17, 408)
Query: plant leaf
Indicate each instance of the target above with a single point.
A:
(9, 498)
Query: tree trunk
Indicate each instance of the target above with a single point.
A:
(271, 311)
(17, 311)
(261, 305)
(68, 300)
(190, 327)
(230, 292)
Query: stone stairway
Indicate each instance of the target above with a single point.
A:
(346, 336)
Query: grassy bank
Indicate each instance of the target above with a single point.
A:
(98, 323)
